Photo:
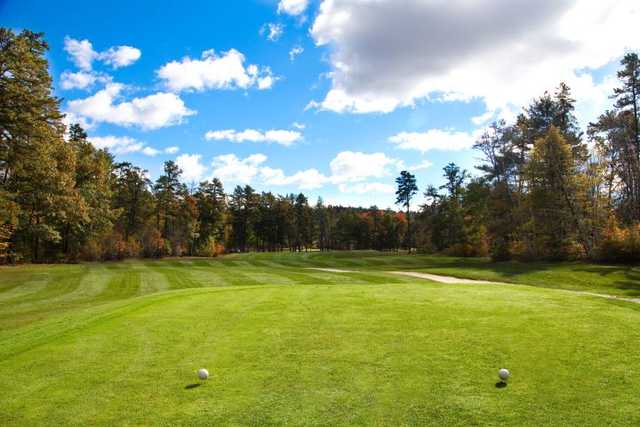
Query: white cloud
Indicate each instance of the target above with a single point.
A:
(349, 166)
(483, 118)
(503, 52)
(594, 98)
(81, 52)
(308, 179)
(349, 171)
(425, 164)
(70, 119)
(82, 79)
(79, 80)
(339, 101)
(122, 145)
(367, 187)
(278, 136)
(292, 7)
(295, 51)
(226, 71)
(117, 144)
(150, 112)
(192, 168)
(229, 168)
(272, 30)
(120, 56)
(266, 82)
(150, 151)
(435, 139)
(297, 125)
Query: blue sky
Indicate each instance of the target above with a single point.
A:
(376, 88)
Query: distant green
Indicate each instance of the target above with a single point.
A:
(119, 343)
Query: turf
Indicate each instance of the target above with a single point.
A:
(119, 343)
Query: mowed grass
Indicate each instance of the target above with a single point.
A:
(119, 343)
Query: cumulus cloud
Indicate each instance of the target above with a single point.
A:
(117, 144)
(228, 167)
(272, 31)
(79, 80)
(71, 118)
(292, 7)
(425, 164)
(150, 151)
(267, 80)
(278, 136)
(503, 52)
(122, 145)
(120, 56)
(349, 166)
(349, 171)
(231, 169)
(225, 71)
(150, 112)
(367, 187)
(192, 167)
(295, 51)
(435, 139)
(82, 54)
(308, 179)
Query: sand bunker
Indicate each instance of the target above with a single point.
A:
(330, 270)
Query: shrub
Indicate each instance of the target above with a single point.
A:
(91, 251)
(620, 244)
(6, 231)
(153, 245)
(210, 248)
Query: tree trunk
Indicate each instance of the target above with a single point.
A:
(408, 230)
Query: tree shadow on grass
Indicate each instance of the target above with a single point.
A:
(623, 277)
(631, 282)
(191, 386)
(505, 269)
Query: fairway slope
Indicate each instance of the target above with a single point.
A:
(456, 280)
(288, 345)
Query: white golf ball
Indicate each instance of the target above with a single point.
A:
(203, 374)
(504, 374)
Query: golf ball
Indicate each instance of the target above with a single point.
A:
(504, 374)
(203, 374)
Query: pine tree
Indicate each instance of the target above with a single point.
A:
(211, 205)
(407, 188)
(93, 183)
(132, 198)
(36, 165)
(628, 95)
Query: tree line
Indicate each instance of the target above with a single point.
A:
(545, 189)
(61, 199)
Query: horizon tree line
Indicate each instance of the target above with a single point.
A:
(545, 189)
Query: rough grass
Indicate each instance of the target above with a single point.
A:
(119, 343)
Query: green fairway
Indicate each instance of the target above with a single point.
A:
(120, 343)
